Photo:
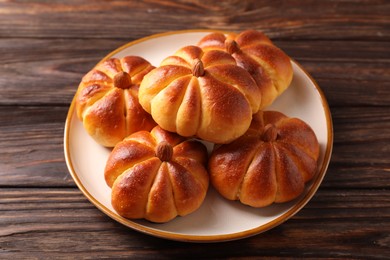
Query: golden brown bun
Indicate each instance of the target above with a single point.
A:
(270, 163)
(269, 66)
(157, 175)
(107, 100)
(201, 94)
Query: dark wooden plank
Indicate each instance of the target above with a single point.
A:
(342, 175)
(48, 71)
(362, 129)
(361, 148)
(53, 223)
(31, 147)
(308, 19)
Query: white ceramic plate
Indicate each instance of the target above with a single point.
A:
(217, 219)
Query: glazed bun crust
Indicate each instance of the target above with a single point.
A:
(269, 66)
(270, 163)
(157, 175)
(107, 100)
(199, 94)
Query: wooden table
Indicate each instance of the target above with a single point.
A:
(47, 46)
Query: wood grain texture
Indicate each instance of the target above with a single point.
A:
(47, 46)
(281, 19)
(31, 147)
(67, 225)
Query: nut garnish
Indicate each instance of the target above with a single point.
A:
(197, 68)
(270, 133)
(231, 46)
(122, 80)
(164, 151)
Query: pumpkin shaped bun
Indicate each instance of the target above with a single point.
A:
(157, 175)
(270, 163)
(107, 100)
(269, 66)
(201, 94)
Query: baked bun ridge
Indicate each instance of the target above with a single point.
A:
(270, 163)
(157, 175)
(201, 94)
(269, 66)
(107, 100)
